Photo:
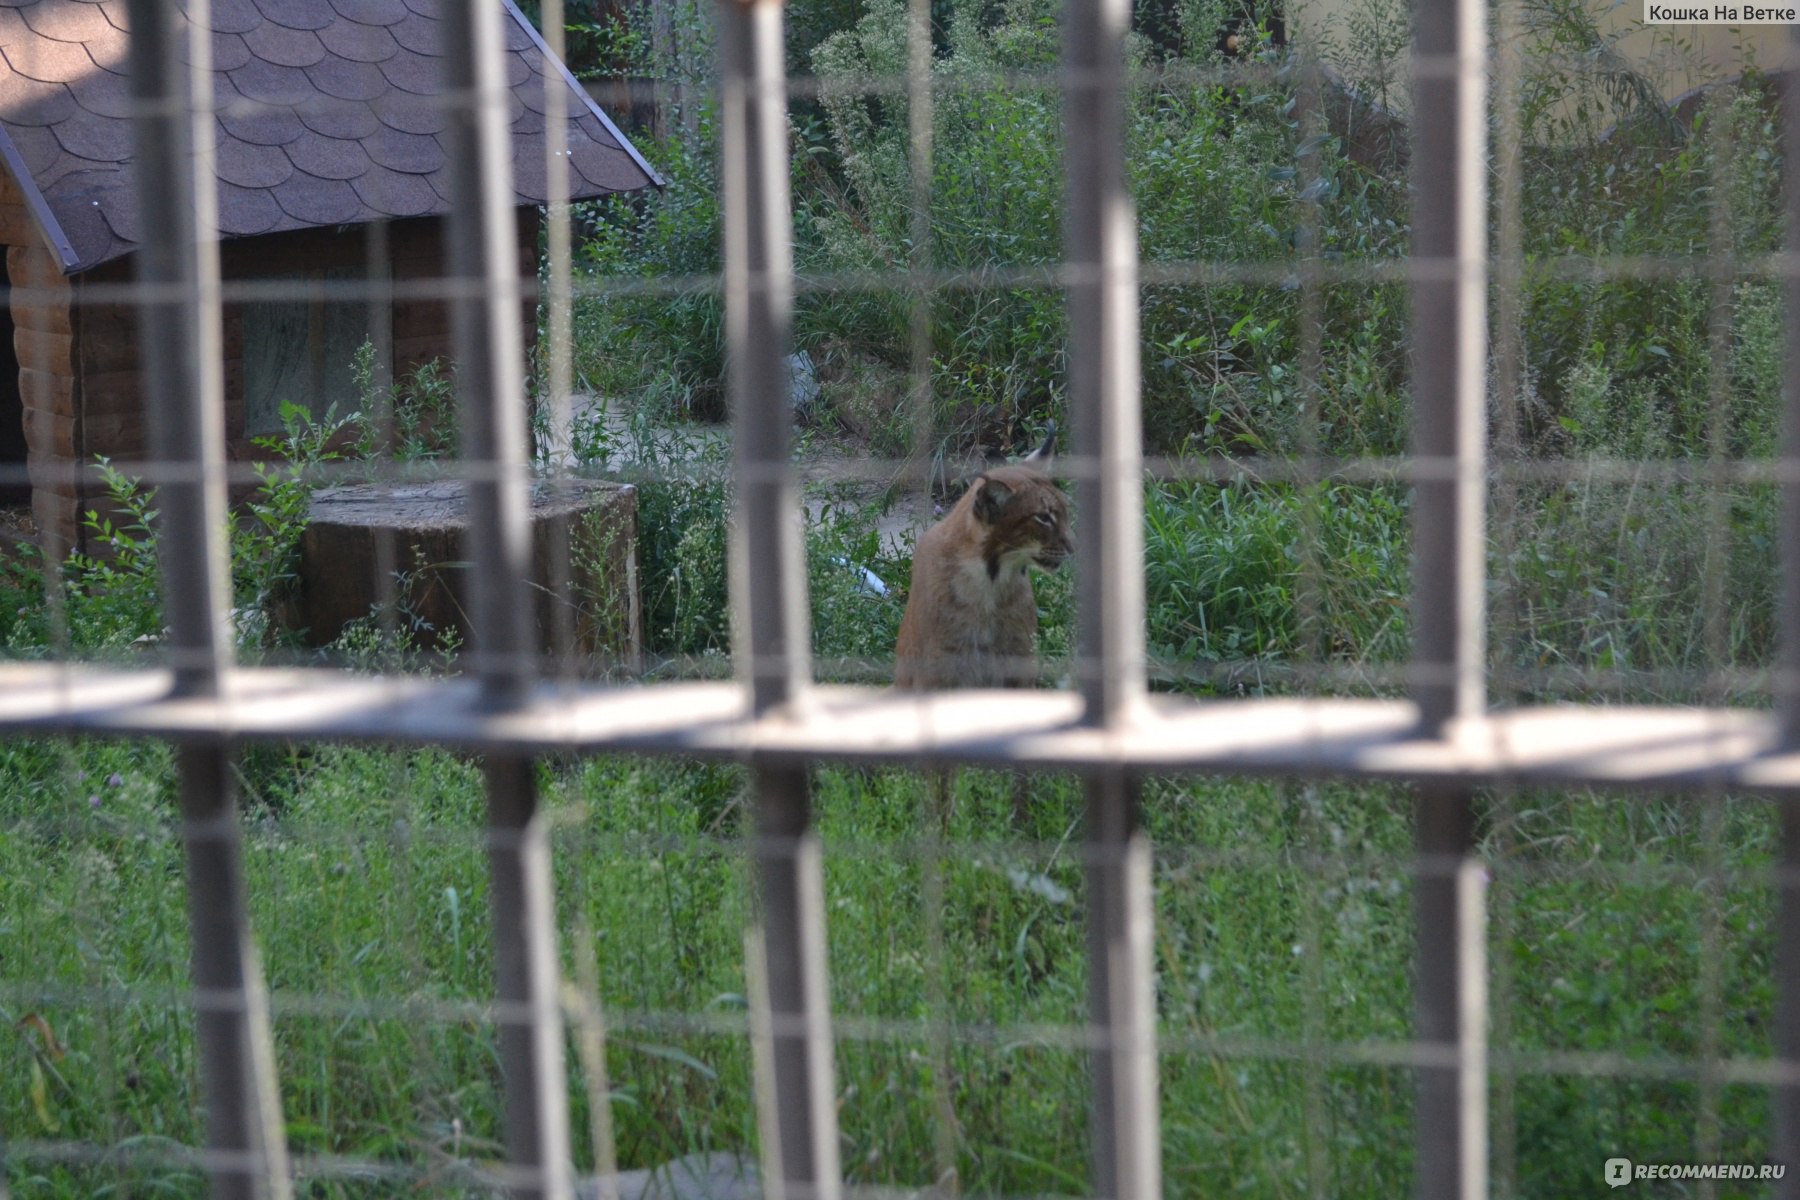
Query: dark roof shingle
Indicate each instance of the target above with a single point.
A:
(329, 114)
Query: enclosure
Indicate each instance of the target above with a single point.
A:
(1415, 808)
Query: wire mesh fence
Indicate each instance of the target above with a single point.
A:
(1429, 475)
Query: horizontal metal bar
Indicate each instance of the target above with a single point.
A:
(851, 1029)
(1206, 272)
(1212, 468)
(1639, 747)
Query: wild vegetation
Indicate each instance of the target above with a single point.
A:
(1622, 568)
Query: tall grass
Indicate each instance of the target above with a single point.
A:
(1283, 919)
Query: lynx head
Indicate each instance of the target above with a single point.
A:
(1024, 514)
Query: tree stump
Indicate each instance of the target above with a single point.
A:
(593, 523)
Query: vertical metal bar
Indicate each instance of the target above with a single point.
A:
(1449, 336)
(244, 1130)
(484, 278)
(1451, 1000)
(183, 384)
(768, 586)
(1784, 1144)
(483, 260)
(525, 984)
(560, 324)
(1721, 148)
(1309, 598)
(377, 270)
(590, 1046)
(1509, 361)
(921, 104)
(768, 578)
(1121, 992)
(559, 440)
(804, 1091)
(1509, 365)
(1713, 885)
(180, 334)
(1103, 389)
(1787, 666)
(1501, 902)
(1785, 1140)
(1103, 359)
(921, 107)
(1314, 1028)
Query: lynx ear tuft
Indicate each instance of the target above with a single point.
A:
(991, 499)
(1042, 456)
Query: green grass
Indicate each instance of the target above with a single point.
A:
(1283, 912)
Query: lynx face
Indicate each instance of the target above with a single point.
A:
(1027, 520)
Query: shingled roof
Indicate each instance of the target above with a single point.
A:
(328, 115)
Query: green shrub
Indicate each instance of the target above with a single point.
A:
(1226, 580)
(627, 343)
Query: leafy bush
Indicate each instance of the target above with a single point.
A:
(668, 345)
(114, 594)
(683, 506)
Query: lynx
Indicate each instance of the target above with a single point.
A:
(971, 618)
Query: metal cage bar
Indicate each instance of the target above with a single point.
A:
(486, 324)
(1449, 334)
(1449, 352)
(1121, 991)
(244, 1128)
(768, 577)
(527, 983)
(1450, 1000)
(769, 600)
(1784, 1142)
(179, 314)
(1101, 267)
(802, 1160)
(184, 403)
(1785, 1136)
(1104, 413)
(491, 366)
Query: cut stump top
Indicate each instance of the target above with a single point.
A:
(444, 503)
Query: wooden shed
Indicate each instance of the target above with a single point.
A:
(331, 167)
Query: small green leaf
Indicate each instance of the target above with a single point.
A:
(674, 1055)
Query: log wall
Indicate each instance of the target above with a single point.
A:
(79, 362)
